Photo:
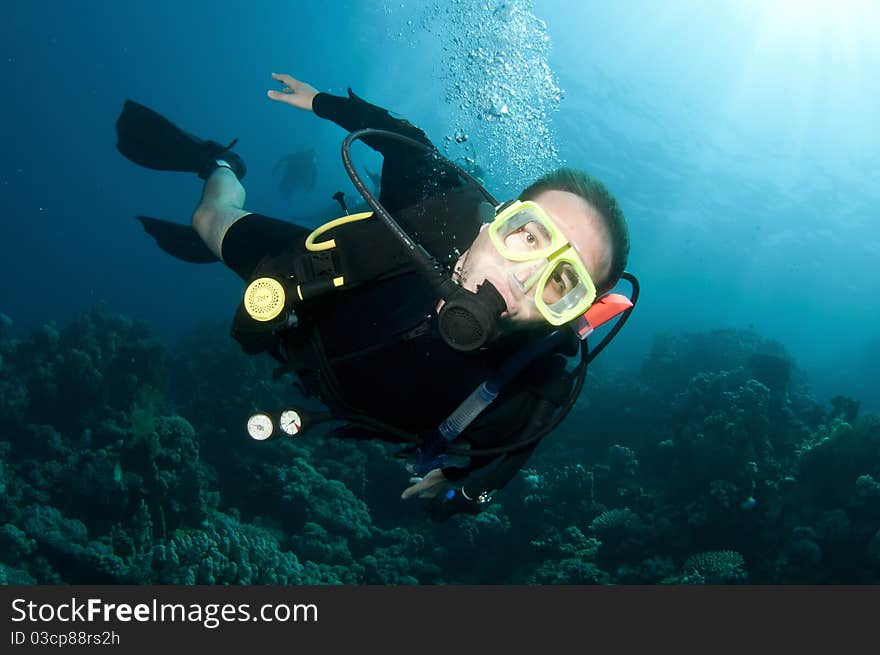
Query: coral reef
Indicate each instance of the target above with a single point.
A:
(714, 567)
(125, 461)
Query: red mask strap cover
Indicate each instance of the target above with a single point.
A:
(600, 312)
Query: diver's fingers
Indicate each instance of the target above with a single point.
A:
(421, 487)
(436, 476)
(280, 96)
(285, 78)
(295, 93)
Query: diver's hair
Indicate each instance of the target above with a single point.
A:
(599, 197)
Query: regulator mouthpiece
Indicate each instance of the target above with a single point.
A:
(468, 320)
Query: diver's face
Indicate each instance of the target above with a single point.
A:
(575, 218)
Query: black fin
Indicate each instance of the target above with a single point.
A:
(180, 241)
(147, 138)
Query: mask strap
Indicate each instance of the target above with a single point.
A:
(504, 205)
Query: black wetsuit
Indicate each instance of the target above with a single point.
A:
(386, 358)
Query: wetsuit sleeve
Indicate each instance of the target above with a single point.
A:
(409, 174)
(354, 113)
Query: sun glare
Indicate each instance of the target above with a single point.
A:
(822, 19)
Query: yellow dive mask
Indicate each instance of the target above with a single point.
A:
(523, 233)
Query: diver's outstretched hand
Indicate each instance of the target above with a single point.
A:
(295, 93)
(426, 487)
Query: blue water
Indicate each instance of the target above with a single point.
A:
(739, 137)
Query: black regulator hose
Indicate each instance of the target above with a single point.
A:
(467, 320)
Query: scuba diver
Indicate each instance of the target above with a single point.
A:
(442, 320)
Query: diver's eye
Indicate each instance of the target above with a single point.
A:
(531, 236)
(559, 283)
(523, 238)
(554, 289)
(535, 235)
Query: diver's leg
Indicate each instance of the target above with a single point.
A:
(222, 204)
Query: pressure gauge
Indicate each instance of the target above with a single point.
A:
(290, 422)
(259, 426)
